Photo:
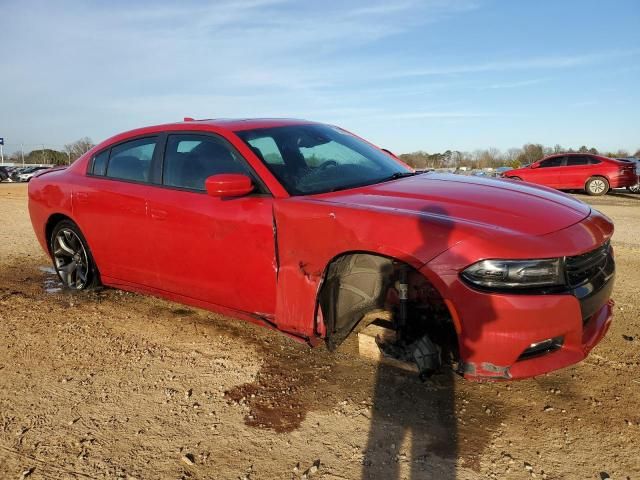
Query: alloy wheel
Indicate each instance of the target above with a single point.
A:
(597, 186)
(70, 259)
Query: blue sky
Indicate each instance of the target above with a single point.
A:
(406, 74)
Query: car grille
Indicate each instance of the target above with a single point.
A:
(584, 268)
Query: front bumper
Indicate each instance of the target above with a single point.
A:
(496, 329)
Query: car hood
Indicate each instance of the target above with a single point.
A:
(497, 204)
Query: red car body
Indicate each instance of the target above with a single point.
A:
(264, 257)
(572, 171)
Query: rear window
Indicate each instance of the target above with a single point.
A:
(100, 163)
(126, 161)
(574, 161)
(132, 160)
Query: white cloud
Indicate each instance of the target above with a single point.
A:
(516, 84)
(531, 63)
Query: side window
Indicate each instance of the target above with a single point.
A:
(575, 160)
(267, 150)
(100, 163)
(551, 162)
(594, 161)
(132, 160)
(190, 159)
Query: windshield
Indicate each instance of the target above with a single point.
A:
(309, 159)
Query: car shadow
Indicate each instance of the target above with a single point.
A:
(415, 427)
(629, 195)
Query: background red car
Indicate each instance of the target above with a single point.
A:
(578, 171)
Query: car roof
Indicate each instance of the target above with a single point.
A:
(237, 124)
(573, 154)
(577, 154)
(255, 123)
(230, 124)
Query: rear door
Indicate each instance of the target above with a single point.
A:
(217, 250)
(111, 209)
(576, 172)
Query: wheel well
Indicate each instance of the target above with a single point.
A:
(360, 288)
(52, 221)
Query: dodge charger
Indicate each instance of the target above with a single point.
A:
(309, 229)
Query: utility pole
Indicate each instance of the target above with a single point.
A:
(1, 152)
(22, 152)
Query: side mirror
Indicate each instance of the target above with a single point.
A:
(228, 185)
(534, 165)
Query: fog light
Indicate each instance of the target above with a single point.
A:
(541, 348)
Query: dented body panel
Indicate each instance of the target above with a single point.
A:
(264, 257)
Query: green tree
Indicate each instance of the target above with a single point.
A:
(46, 156)
(531, 152)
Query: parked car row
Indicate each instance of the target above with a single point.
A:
(19, 174)
(594, 174)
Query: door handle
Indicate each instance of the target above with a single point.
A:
(157, 214)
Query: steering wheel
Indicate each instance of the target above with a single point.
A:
(327, 163)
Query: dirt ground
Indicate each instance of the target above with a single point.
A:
(117, 385)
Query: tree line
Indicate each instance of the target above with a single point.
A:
(493, 157)
(69, 154)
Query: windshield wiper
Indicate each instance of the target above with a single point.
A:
(398, 175)
(358, 185)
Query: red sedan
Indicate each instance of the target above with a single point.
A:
(311, 230)
(578, 171)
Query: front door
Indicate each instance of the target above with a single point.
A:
(217, 250)
(548, 172)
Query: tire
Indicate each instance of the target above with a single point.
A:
(517, 179)
(634, 188)
(597, 186)
(72, 259)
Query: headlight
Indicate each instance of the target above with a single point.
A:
(515, 273)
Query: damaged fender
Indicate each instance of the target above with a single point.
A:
(312, 234)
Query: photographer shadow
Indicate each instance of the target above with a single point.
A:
(414, 429)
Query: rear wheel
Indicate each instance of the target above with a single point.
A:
(597, 186)
(72, 258)
(634, 188)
